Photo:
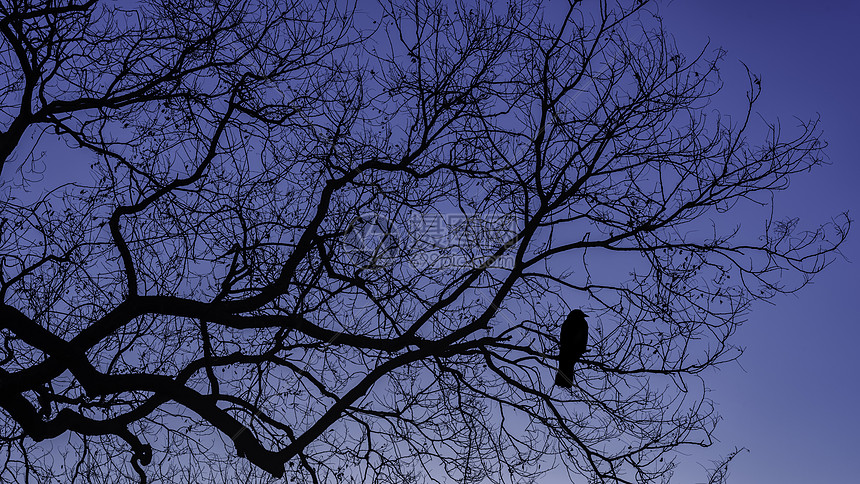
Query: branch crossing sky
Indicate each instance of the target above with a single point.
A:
(793, 400)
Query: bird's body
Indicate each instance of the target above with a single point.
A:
(572, 343)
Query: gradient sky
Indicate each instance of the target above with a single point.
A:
(794, 398)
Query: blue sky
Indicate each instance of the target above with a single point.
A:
(793, 399)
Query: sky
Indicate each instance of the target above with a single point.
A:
(793, 399)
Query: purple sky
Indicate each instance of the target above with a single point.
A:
(794, 399)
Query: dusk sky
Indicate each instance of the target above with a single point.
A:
(793, 399)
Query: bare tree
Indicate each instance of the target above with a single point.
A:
(337, 245)
(719, 474)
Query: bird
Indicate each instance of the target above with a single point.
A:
(572, 342)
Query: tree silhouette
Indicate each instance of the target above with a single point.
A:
(252, 238)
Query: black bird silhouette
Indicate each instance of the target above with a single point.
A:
(571, 345)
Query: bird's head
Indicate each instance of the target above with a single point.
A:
(577, 313)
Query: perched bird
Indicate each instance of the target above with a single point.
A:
(571, 345)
